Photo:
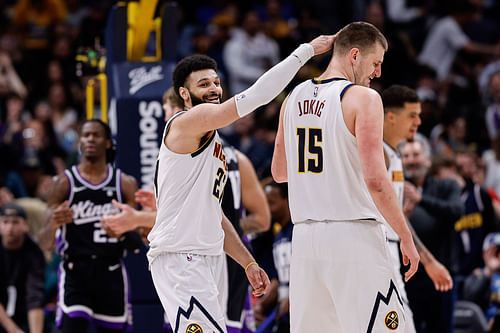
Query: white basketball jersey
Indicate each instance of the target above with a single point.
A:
(189, 189)
(395, 171)
(325, 179)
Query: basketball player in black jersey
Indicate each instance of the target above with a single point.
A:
(93, 284)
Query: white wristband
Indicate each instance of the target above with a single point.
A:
(272, 82)
(304, 52)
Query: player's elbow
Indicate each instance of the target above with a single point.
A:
(278, 172)
(374, 183)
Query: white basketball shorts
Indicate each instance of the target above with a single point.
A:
(342, 279)
(192, 289)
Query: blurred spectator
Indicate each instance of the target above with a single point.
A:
(63, 117)
(244, 140)
(25, 270)
(77, 12)
(249, 53)
(479, 217)
(34, 20)
(399, 61)
(492, 160)
(9, 80)
(279, 24)
(446, 38)
(483, 285)
(398, 11)
(448, 138)
(38, 154)
(433, 206)
(492, 117)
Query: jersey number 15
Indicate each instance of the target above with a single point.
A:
(312, 138)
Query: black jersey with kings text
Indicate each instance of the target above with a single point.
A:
(85, 237)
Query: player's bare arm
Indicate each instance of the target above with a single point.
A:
(35, 320)
(278, 165)
(129, 187)
(253, 198)
(234, 247)
(364, 116)
(58, 212)
(435, 270)
(7, 323)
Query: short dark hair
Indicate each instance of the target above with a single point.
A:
(189, 64)
(396, 96)
(442, 160)
(111, 151)
(362, 35)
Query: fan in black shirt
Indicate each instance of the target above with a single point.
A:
(23, 268)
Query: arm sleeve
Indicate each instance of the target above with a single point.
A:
(272, 82)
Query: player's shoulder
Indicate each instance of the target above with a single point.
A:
(362, 95)
(60, 181)
(128, 179)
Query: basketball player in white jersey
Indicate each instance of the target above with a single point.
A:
(187, 240)
(329, 149)
(401, 120)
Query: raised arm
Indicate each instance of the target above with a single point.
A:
(206, 117)
(365, 105)
(58, 212)
(253, 198)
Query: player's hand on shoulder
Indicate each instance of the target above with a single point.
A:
(258, 280)
(62, 214)
(323, 43)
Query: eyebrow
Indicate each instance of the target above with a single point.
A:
(206, 78)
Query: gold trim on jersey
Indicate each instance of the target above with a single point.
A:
(203, 145)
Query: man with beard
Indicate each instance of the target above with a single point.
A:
(93, 283)
(242, 191)
(329, 149)
(433, 206)
(187, 241)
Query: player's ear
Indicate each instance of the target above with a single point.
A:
(354, 54)
(184, 93)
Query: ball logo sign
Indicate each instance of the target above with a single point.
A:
(141, 77)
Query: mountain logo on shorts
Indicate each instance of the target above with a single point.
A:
(195, 306)
(392, 320)
(194, 328)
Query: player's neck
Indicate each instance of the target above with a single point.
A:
(93, 171)
(392, 141)
(335, 69)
